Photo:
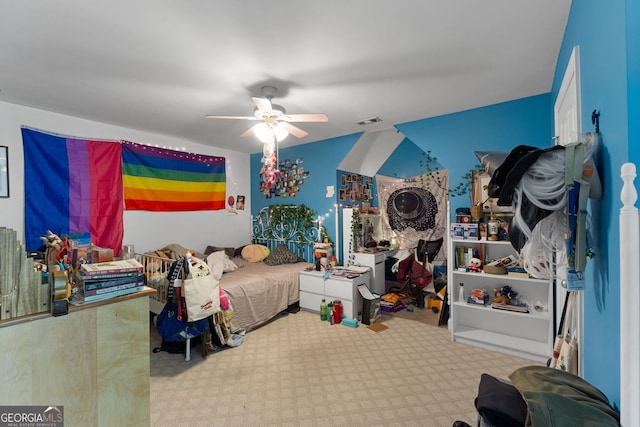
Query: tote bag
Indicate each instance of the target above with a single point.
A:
(201, 290)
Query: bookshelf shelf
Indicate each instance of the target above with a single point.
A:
(528, 335)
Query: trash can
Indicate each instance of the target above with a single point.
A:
(370, 305)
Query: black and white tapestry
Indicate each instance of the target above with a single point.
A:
(411, 211)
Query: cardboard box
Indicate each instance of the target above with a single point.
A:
(464, 231)
(101, 255)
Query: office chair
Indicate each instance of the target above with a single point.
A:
(417, 271)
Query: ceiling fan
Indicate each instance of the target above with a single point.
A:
(274, 122)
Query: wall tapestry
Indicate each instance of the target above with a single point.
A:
(162, 180)
(413, 212)
(72, 185)
(286, 181)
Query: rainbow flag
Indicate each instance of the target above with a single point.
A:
(72, 185)
(157, 179)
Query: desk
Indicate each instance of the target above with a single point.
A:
(375, 260)
(94, 361)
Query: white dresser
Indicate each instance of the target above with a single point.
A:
(314, 287)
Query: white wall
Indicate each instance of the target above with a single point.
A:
(146, 230)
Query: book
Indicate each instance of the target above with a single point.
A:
(103, 277)
(520, 308)
(517, 272)
(99, 283)
(357, 269)
(114, 288)
(111, 267)
(112, 294)
(392, 308)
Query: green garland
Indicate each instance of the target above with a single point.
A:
(356, 229)
(430, 175)
(303, 216)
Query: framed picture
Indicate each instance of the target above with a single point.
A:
(479, 184)
(4, 171)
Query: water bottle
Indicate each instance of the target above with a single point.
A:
(337, 311)
(323, 310)
(461, 295)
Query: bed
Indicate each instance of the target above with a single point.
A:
(258, 292)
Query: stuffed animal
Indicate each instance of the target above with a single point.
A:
(475, 264)
(57, 248)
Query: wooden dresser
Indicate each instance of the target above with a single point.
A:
(94, 361)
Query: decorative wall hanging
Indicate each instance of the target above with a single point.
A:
(412, 212)
(240, 202)
(231, 202)
(269, 171)
(163, 180)
(66, 181)
(355, 189)
(286, 181)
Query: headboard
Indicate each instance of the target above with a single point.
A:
(294, 226)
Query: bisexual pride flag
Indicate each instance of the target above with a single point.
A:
(158, 179)
(72, 185)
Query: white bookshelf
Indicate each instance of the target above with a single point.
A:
(528, 335)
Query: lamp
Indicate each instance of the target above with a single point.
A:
(268, 132)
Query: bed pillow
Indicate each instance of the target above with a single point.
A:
(281, 255)
(255, 253)
(221, 257)
(227, 250)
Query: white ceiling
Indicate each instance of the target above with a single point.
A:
(162, 65)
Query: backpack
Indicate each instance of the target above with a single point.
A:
(175, 332)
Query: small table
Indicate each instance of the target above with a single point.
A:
(314, 287)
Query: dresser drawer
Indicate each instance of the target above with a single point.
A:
(310, 301)
(311, 283)
(339, 289)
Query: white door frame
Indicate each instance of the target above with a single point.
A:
(568, 129)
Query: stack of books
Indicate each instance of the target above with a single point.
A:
(390, 307)
(517, 272)
(109, 279)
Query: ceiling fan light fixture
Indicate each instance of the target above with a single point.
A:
(268, 133)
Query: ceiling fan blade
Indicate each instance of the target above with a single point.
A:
(233, 117)
(249, 131)
(263, 104)
(295, 131)
(319, 117)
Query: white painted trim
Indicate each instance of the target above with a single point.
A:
(629, 300)
(570, 87)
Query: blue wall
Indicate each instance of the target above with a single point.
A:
(633, 76)
(608, 34)
(321, 160)
(453, 138)
(404, 162)
(600, 31)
